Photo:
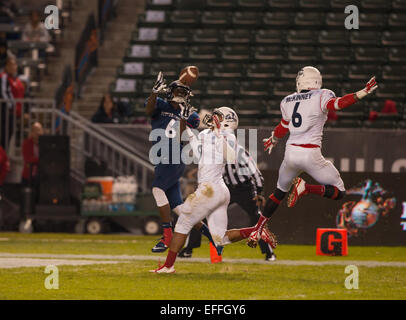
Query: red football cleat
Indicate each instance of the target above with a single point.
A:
(298, 191)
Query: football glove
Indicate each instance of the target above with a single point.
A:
(270, 142)
(160, 85)
(369, 88)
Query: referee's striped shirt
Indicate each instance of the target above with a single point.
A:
(244, 172)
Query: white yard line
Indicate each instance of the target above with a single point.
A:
(7, 263)
(124, 258)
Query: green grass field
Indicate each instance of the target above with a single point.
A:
(297, 274)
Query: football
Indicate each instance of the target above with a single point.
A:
(189, 75)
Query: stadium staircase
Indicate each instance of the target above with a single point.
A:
(116, 38)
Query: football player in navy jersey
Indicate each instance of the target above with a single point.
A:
(169, 118)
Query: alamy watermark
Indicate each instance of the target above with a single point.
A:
(352, 20)
(52, 20)
(52, 281)
(205, 149)
(351, 282)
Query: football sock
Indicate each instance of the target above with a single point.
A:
(170, 259)
(167, 226)
(273, 202)
(315, 189)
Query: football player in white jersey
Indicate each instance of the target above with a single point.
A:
(213, 147)
(304, 114)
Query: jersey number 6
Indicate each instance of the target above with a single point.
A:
(296, 117)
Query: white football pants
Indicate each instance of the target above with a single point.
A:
(310, 160)
(210, 200)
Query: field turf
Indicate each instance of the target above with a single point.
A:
(297, 274)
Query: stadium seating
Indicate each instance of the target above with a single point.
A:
(251, 50)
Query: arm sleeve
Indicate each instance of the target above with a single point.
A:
(283, 127)
(194, 143)
(341, 102)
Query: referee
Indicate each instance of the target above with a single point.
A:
(245, 182)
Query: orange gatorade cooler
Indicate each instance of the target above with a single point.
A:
(106, 184)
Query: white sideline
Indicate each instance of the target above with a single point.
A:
(126, 258)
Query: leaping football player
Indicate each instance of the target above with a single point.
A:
(168, 115)
(214, 147)
(304, 114)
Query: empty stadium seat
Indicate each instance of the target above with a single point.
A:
(269, 36)
(170, 52)
(397, 55)
(334, 72)
(205, 69)
(228, 70)
(335, 19)
(364, 37)
(307, 37)
(246, 19)
(378, 5)
(169, 69)
(397, 20)
(221, 87)
(314, 5)
(282, 89)
(190, 5)
(398, 5)
(394, 38)
(159, 4)
(363, 72)
(309, 19)
(342, 54)
(307, 54)
(207, 36)
(211, 103)
(372, 20)
(184, 18)
(262, 71)
(237, 36)
(372, 54)
(339, 5)
(199, 88)
(277, 19)
(146, 35)
(394, 73)
(334, 37)
(269, 53)
(395, 90)
(203, 52)
(255, 88)
(218, 19)
(179, 35)
(283, 4)
(259, 105)
(236, 52)
(290, 70)
(251, 4)
(227, 5)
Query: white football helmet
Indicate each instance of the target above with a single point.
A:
(228, 118)
(308, 78)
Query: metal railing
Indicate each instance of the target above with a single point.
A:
(86, 140)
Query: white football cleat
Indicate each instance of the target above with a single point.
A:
(164, 269)
(299, 190)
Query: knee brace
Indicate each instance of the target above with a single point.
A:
(332, 192)
(160, 197)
